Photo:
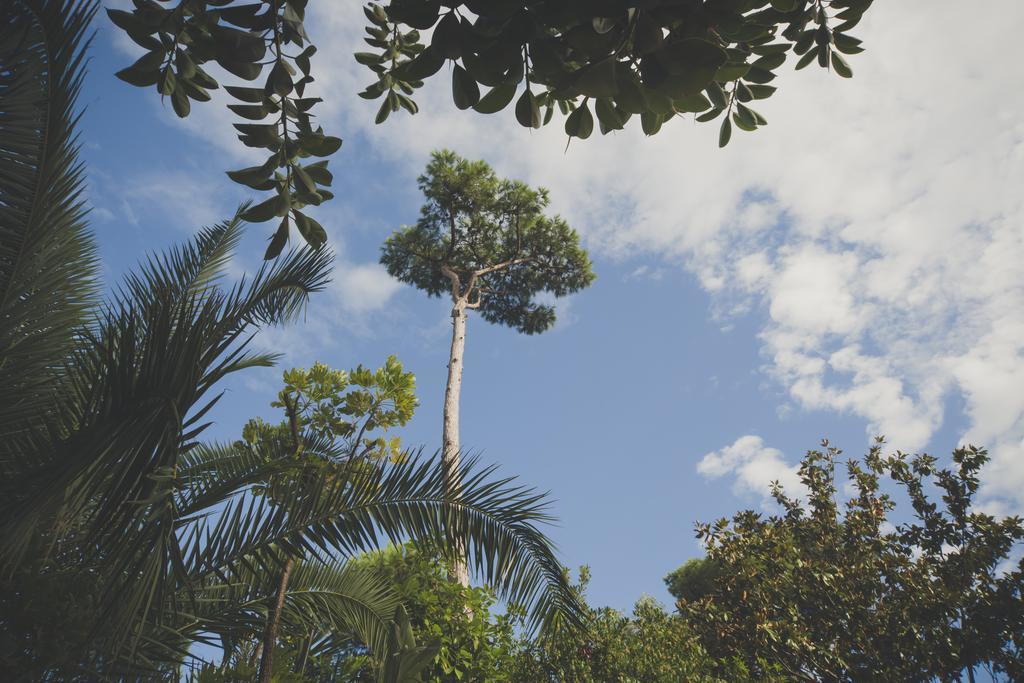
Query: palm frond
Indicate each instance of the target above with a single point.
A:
(495, 519)
(48, 260)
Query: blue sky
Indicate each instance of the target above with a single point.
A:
(851, 269)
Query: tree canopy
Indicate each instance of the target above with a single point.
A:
(830, 591)
(487, 241)
(655, 59)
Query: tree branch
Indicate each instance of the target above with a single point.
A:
(501, 266)
(456, 282)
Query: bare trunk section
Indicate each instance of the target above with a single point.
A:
(450, 434)
(274, 613)
(273, 621)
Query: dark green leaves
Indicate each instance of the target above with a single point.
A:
(528, 111)
(656, 59)
(597, 80)
(497, 99)
(724, 132)
(239, 37)
(465, 91)
(580, 123)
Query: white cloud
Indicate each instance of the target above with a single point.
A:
(363, 288)
(755, 466)
(878, 222)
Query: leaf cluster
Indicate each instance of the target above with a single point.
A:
(655, 59)
(179, 38)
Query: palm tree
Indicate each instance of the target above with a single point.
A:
(143, 540)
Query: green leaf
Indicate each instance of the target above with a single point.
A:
(186, 67)
(383, 112)
(277, 242)
(180, 103)
(304, 182)
(608, 116)
(253, 112)
(691, 103)
(651, 122)
(497, 99)
(710, 115)
(785, 5)
(527, 110)
(731, 72)
(447, 37)
(264, 211)
(245, 70)
(425, 64)
(321, 145)
(167, 82)
(194, 91)
(597, 80)
(145, 71)
(420, 14)
(280, 81)
(256, 177)
(648, 35)
(630, 97)
(318, 172)
(690, 64)
(743, 117)
(204, 80)
(806, 59)
(725, 132)
(717, 95)
(580, 123)
(760, 92)
(310, 229)
(840, 66)
(465, 91)
(847, 44)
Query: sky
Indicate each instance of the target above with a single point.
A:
(849, 270)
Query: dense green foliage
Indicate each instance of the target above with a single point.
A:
(693, 580)
(651, 646)
(657, 59)
(488, 244)
(124, 540)
(826, 591)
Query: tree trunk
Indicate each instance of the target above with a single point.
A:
(273, 621)
(450, 434)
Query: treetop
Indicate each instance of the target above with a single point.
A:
(487, 242)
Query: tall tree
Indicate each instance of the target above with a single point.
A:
(106, 497)
(486, 244)
(656, 59)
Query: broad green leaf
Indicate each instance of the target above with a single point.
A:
(497, 99)
(725, 132)
(580, 123)
(465, 91)
(527, 111)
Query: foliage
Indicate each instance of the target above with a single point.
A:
(825, 592)
(341, 411)
(123, 539)
(651, 646)
(488, 243)
(657, 59)
(693, 580)
(470, 644)
(180, 39)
